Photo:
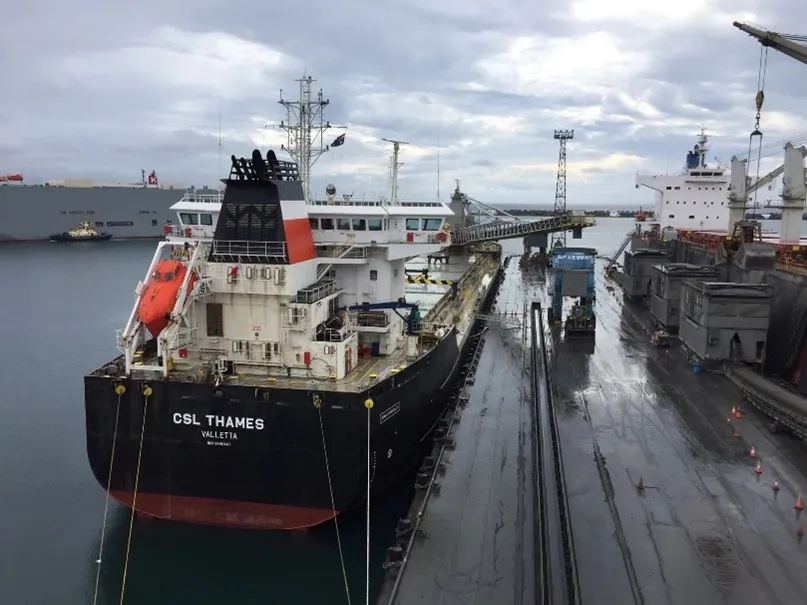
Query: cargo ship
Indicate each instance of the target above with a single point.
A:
(33, 212)
(285, 353)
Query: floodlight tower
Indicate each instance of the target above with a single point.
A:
(559, 238)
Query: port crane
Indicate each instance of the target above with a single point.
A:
(790, 45)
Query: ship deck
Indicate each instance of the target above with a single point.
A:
(704, 529)
(436, 307)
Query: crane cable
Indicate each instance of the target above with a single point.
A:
(760, 99)
(317, 401)
(119, 391)
(147, 392)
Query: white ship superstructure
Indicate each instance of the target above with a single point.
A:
(694, 199)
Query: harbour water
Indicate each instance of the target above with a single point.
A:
(60, 307)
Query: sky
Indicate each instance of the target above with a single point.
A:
(101, 90)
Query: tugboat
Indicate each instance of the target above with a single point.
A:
(84, 232)
(276, 366)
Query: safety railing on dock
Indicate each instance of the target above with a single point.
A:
(554, 545)
(490, 232)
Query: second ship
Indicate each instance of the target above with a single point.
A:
(263, 347)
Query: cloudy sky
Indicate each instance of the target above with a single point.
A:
(101, 89)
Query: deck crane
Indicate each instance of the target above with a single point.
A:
(786, 44)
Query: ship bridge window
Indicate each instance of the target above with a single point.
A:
(432, 224)
(359, 224)
(206, 219)
(189, 219)
(677, 188)
(326, 224)
(313, 223)
(374, 224)
(669, 188)
(343, 224)
(412, 224)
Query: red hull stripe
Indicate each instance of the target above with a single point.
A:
(299, 240)
(227, 513)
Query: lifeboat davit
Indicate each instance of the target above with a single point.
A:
(161, 294)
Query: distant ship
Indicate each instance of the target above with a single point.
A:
(31, 212)
(697, 198)
(84, 232)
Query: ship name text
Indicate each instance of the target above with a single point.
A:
(219, 422)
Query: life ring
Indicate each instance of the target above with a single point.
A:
(167, 229)
(188, 232)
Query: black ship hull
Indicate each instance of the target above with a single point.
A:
(67, 238)
(251, 457)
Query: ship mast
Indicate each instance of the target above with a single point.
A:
(305, 126)
(396, 147)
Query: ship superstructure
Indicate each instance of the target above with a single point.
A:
(270, 333)
(694, 199)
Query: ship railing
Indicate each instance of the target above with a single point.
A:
(269, 253)
(375, 203)
(334, 335)
(204, 198)
(249, 352)
(187, 337)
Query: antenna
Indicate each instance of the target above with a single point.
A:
(438, 162)
(221, 184)
(396, 147)
(305, 126)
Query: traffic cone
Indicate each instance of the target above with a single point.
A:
(728, 420)
(738, 414)
(799, 503)
(776, 487)
(758, 469)
(753, 453)
(734, 411)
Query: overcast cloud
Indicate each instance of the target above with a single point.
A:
(102, 89)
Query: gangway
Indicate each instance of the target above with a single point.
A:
(491, 232)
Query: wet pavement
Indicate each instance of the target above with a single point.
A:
(478, 530)
(705, 528)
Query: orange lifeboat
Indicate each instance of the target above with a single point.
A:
(161, 294)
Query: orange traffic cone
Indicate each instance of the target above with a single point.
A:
(776, 487)
(753, 452)
(739, 413)
(734, 411)
(758, 469)
(799, 503)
